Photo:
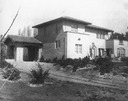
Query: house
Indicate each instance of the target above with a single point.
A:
(119, 48)
(72, 38)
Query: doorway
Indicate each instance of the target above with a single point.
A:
(30, 53)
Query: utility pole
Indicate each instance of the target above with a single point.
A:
(1, 39)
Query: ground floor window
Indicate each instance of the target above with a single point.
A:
(78, 48)
(120, 52)
(57, 44)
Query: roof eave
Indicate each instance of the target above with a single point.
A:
(60, 19)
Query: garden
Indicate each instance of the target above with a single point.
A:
(41, 86)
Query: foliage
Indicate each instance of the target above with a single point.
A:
(38, 76)
(118, 36)
(105, 65)
(11, 73)
(125, 60)
(42, 59)
(54, 60)
(3, 63)
(76, 63)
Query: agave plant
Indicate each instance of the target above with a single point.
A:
(38, 75)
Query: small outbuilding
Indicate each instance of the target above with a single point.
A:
(22, 48)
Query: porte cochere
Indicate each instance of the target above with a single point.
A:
(22, 48)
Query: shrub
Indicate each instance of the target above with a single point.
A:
(11, 73)
(74, 62)
(125, 60)
(3, 63)
(42, 59)
(38, 76)
(54, 60)
(105, 65)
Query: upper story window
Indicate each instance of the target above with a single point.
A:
(100, 36)
(57, 44)
(74, 28)
(120, 42)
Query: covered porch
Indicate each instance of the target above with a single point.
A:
(21, 48)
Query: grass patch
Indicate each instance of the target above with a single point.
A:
(60, 91)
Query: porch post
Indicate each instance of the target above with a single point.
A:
(39, 53)
(19, 54)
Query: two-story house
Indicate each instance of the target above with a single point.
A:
(71, 38)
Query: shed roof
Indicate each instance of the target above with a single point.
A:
(22, 39)
(60, 19)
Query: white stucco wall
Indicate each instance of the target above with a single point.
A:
(86, 40)
(19, 53)
(74, 38)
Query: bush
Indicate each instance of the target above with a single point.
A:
(74, 62)
(105, 65)
(11, 73)
(38, 76)
(125, 60)
(54, 60)
(42, 59)
(3, 63)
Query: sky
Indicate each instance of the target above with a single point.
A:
(111, 14)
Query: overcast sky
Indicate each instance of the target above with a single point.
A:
(112, 14)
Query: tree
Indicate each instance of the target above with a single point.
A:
(126, 35)
(27, 31)
(35, 32)
(118, 36)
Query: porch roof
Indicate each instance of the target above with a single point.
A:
(21, 39)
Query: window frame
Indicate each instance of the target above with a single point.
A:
(57, 44)
(78, 48)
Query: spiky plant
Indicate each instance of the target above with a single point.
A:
(39, 75)
(11, 73)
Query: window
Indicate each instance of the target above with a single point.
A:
(120, 42)
(74, 28)
(78, 48)
(98, 35)
(57, 44)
